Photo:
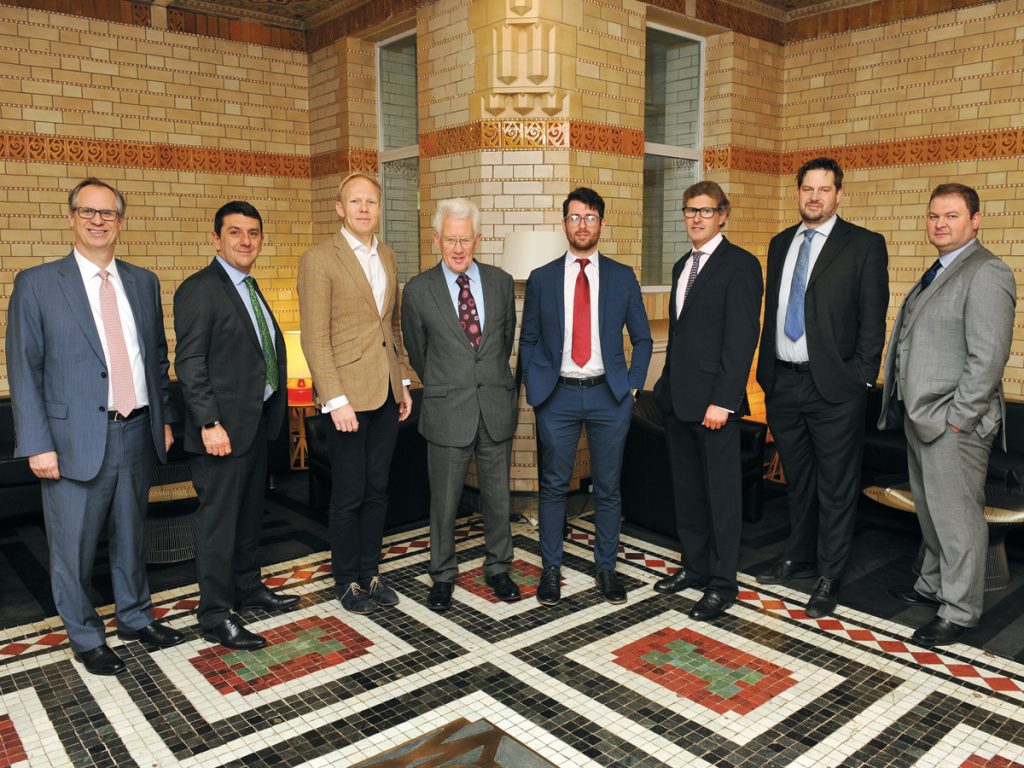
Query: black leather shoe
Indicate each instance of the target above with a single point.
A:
(549, 591)
(939, 631)
(153, 633)
(354, 598)
(380, 593)
(823, 599)
(677, 582)
(504, 588)
(268, 601)
(784, 570)
(610, 586)
(231, 634)
(912, 597)
(440, 597)
(709, 607)
(101, 661)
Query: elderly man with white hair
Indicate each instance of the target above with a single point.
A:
(458, 321)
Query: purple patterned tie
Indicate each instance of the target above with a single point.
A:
(469, 318)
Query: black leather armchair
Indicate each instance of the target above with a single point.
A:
(647, 475)
(408, 485)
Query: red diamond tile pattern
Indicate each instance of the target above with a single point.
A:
(526, 575)
(976, 761)
(12, 751)
(293, 650)
(704, 670)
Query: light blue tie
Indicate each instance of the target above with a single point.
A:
(795, 310)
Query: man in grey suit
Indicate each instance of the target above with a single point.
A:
(943, 372)
(458, 322)
(87, 362)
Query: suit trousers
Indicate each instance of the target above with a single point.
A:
(360, 466)
(447, 467)
(821, 445)
(559, 422)
(76, 512)
(947, 479)
(231, 493)
(708, 496)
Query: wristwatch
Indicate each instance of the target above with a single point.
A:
(211, 425)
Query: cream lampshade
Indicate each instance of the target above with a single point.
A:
(300, 381)
(527, 249)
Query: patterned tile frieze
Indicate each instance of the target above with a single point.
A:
(36, 148)
(982, 145)
(344, 161)
(532, 134)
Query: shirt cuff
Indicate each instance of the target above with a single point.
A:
(406, 382)
(334, 404)
(727, 410)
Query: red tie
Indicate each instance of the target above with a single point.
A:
(581, 316)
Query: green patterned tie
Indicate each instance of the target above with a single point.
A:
(269, 353)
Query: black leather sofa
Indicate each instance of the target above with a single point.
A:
(885, 451)
(647, 477)
(20, 489)
(408, 484)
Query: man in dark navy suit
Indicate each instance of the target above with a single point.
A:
(575, 370)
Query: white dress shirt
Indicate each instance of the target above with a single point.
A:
(707, 249)
(785, 347)
(595, 365)
(92, 280)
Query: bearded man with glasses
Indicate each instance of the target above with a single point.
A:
(575, 370)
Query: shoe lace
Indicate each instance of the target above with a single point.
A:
(354, 589)
(375, 584)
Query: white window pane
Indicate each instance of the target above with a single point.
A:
(401, 181)
(672, 109)
(664, 233)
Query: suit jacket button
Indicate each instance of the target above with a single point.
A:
(383, 343)
(480, 386)
(102, 409)
(103, 374)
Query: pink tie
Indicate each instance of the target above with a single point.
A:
(120, 365)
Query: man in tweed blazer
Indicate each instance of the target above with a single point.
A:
(459, 323)
(351, 336)
(944, 371)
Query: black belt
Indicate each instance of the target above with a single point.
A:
(113, 415)
(798, 367)
(593, 381)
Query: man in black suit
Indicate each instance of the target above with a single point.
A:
(827, 291)
(716, 302)
(230, 360)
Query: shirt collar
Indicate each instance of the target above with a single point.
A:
(236, 275)
(709, 247)
(570, 259)
(357, 245)
(89, 269)
(824, 230)
(450, 277)
(948, 258)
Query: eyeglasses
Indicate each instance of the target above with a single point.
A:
(705, 213)
(107, 214)
(574, 219)
(451, 242)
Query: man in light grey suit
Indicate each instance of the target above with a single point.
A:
(458, 322)
(943, 371)
(87, 362)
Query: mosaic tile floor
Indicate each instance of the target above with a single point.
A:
(519, 685)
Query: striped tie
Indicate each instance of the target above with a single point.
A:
(269, 353)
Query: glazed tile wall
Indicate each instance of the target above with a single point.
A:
(181, 123)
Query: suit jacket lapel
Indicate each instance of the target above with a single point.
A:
(232, 297)
(74, 292)
(492, 304)
(917, 298)
(131, 292)
(350, 263)
(834, 244)
(442, 296)
(712, 265)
